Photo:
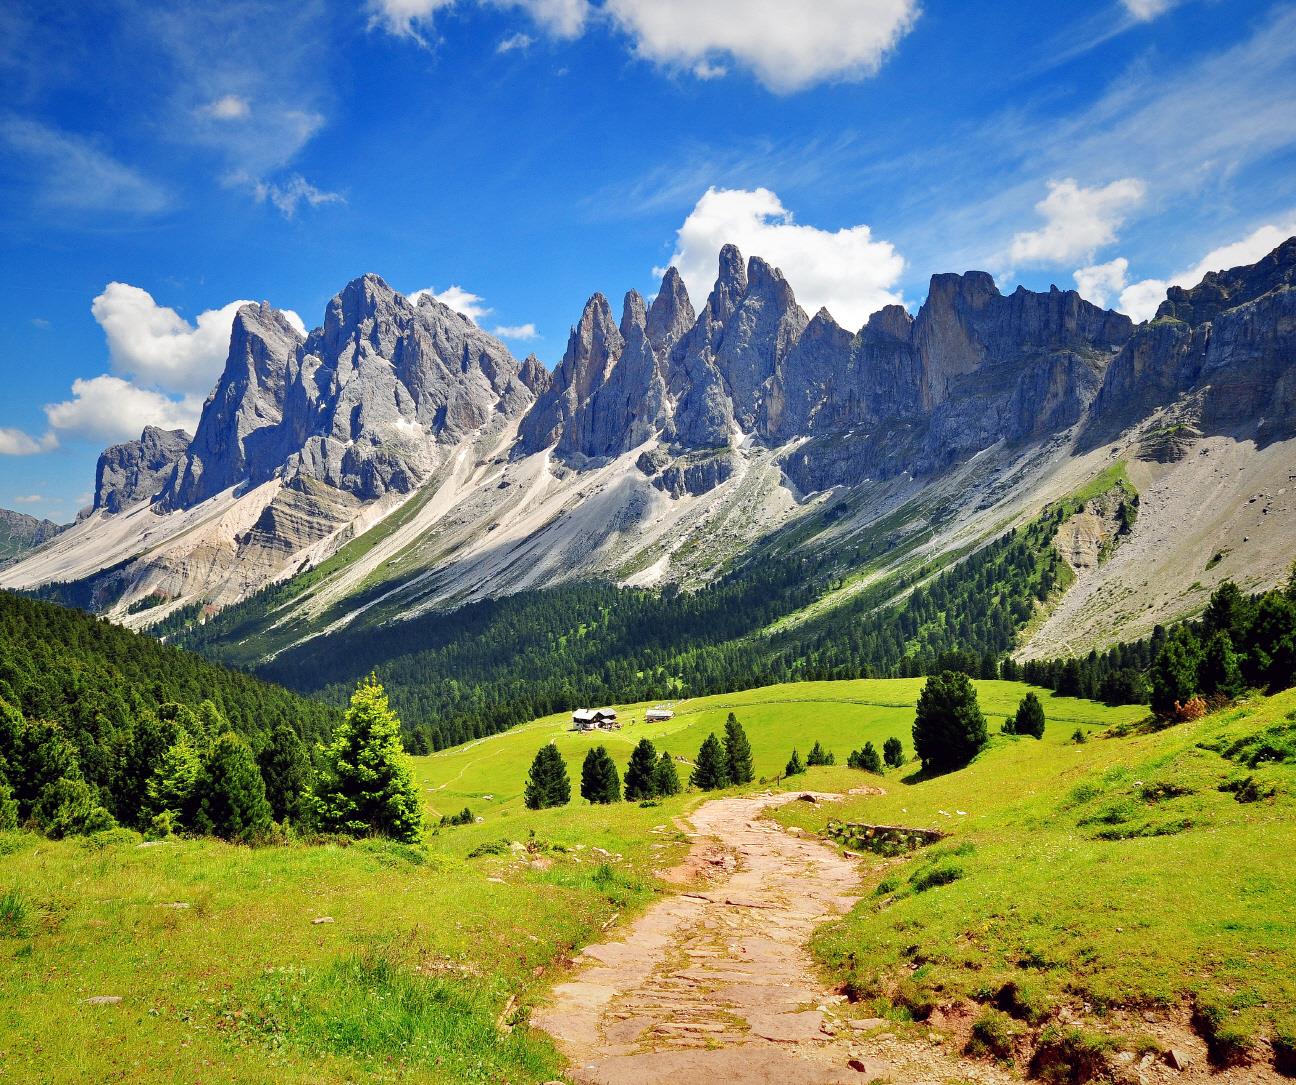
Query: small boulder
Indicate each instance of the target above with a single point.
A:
(1177, 1060)
(322, 919)
(102, 1000)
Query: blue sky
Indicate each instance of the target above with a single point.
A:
(159, 163)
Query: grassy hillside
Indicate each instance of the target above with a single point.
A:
(1140, 871)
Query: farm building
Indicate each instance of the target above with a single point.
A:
(595, 719)
(659, 714)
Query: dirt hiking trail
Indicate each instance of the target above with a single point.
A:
(717, 985)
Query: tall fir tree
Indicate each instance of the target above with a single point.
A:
(286, 770)
(666, 779)
(366, 787)
(600, 782)
(172, 790)
(948, 729)
(547, 783)
(232, 802)
(795, 766)
(1174, 672)
(639, 782)
(738, 752)
(711, 771)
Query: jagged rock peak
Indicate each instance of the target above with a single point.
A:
(137, 471)
(671, 314)
(892, 321)
(1220, 290)
(535, 375)
(765, 280)
(634, 312)
(730, 284)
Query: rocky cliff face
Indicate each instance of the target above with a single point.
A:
(138, 470)
(1229, 343)
(20, 533)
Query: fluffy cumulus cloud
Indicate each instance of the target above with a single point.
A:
(787, 44)
(462, 301)
(1077, 221)
(14, 442)
(108, 408)
(516, 331)
(1140, 299)
(155, 345)
(847, 271)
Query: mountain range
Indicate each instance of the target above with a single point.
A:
(398, 460)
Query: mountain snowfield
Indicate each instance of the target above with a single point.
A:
(399, 459)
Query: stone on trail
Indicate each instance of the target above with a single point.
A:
(322, 919)
(1176, 1059)
(102, 1000)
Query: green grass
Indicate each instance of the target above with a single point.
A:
(1124, 873)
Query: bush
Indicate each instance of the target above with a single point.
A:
(948, 729)
(464, 817)
(1078, 737)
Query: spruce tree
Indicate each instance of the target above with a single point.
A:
(639, 782)
(1219, 672)
(738, 752)
(711, 771)
(232, 802)
(366, 787)
(172, 790)
(1030, 717)
(600, 783)
(8, 807)
(893, 752)
(666, 779)
(1174, 672)
(547, 783)
(866, 759)
(948, 729)
(794, 767)
(819, 756)
(286, 770)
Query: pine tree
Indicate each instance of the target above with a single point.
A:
(893, 752)
(232, 802)
(819, 756)
(948, 729)
(366, 787)
(1030, 717)
(711, 771)
(172, 790)
(1219, 673)
(795, 766)
(8, 807)
(639, 783)
(666, 779)
(1174, 672)
(738, 752)
(547, 783)
(600, 783)
(286, 770)
(866, 759)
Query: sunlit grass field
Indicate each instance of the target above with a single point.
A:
(434, 953)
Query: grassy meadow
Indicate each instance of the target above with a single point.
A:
(224, 973)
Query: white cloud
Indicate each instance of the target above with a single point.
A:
(1141, 299)
(29, 499)
(1101, 282)
(287, 195)
(517, 331)
(1078, 221)
(230, 107)
(405, 18)
(68, 172)
(107, 408)
(40, 322)
(457, 298)
(561, 18)
(296, 321)
(1146, 10)
(14, 442)
(788, 44)
(845, 270)
(155, 345)
(515, 41)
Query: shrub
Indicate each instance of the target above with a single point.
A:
(490, 847)
(71, 808)
(948, 729)
(464, 817)
(1078, 737)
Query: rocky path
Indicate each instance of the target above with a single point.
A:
(717, 985)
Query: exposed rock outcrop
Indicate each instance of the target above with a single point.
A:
(138, 471)
(20, 533)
